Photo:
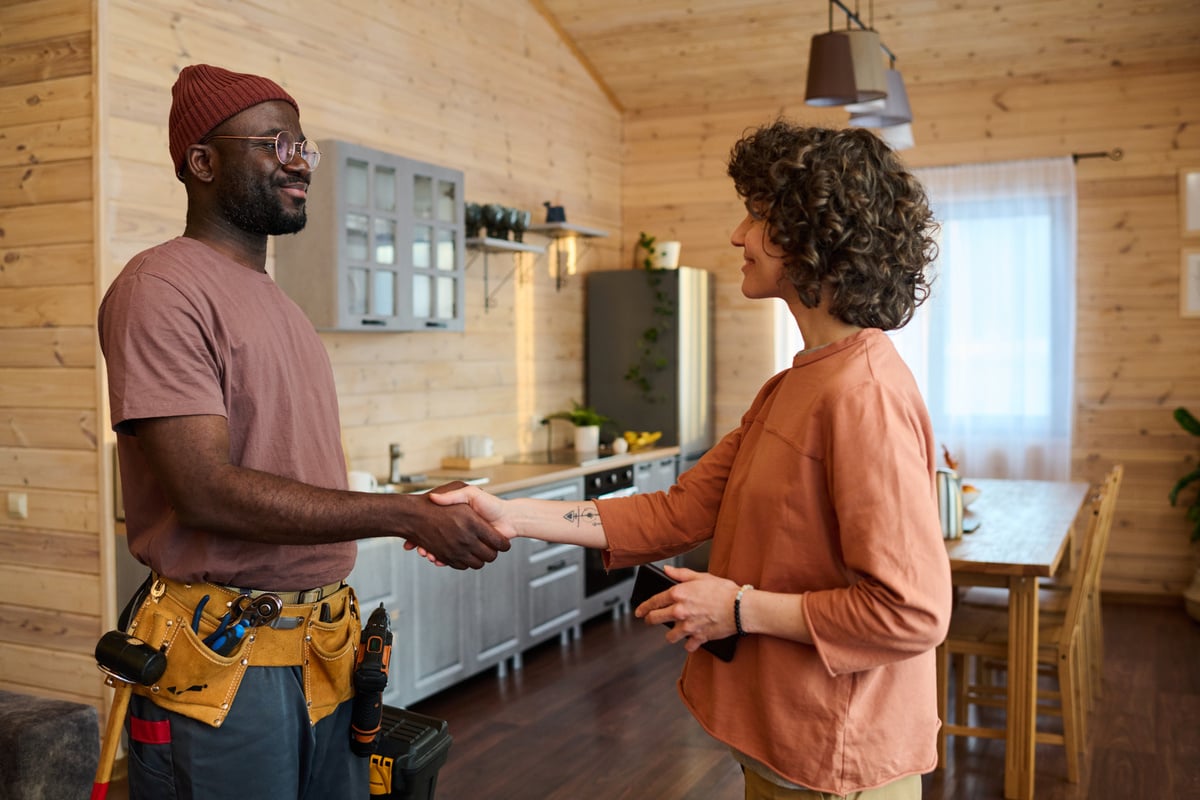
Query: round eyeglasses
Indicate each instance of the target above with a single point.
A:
(286, 147)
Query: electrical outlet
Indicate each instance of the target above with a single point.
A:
(18, 505)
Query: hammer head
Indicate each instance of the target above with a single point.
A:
(129, 659)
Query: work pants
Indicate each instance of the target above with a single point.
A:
(759, 788)
(265, 749)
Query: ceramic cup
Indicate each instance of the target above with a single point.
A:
(362, 481)
(476, 446)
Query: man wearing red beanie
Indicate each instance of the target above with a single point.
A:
(233, 477)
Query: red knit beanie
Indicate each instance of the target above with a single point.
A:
(205, 96)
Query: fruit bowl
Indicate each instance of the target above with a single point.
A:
(639, 440)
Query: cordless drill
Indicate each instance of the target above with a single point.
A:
(370, 679)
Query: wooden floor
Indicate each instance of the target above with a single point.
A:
(599, 719)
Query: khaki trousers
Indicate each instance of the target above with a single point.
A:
(759, 788)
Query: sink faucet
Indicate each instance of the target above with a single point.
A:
(394, 456)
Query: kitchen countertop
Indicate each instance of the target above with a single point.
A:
(504, 478)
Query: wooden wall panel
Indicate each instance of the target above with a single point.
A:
(51, 571)
(1136, 359)
(486, 88)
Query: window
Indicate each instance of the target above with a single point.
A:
(993, 347)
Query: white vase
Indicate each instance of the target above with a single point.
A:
(666, 255)
(587, 438)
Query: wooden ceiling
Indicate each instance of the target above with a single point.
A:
(653, 54)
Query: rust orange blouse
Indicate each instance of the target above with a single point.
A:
(825, 489)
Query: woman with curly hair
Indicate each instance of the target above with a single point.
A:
(827, 558)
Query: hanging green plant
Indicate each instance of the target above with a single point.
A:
(1190, 424)
(651, 361)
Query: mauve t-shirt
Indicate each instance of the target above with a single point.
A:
(187, 331)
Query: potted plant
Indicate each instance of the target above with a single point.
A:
(650, 358)
(1191, 595)
(587, 422)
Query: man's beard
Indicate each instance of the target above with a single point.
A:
(256, 207)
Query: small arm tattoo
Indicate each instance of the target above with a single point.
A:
(580, 516)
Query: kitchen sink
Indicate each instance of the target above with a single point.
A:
(423, 486)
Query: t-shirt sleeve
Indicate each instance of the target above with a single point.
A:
(161, 354)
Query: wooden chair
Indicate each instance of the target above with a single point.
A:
(1054, 594)
(982, 633)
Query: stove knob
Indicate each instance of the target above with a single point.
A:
(597, 482)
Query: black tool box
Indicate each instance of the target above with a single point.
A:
(411, 749)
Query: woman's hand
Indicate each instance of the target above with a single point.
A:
(700, 605)
(487, 506)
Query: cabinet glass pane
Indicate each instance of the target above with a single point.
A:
(356, 290)
(422, 245)
(383, 295)
(385, 241)
(447, 206)
(422, 197)
(356, 182)
(385, 189)
(356, 237)
(422, 296)
(445, 249)
(445, 298)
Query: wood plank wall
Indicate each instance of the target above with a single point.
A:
(487, 88)
(483, 87)
(51, 601)
(490, 88)
(1136, 358)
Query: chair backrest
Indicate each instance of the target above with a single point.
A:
(1099, 525)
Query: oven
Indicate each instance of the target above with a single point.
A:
(606, 589)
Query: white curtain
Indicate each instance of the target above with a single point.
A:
(993, 347)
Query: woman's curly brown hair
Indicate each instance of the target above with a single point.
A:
(846, 213)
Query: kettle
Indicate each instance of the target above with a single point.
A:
(950, 503)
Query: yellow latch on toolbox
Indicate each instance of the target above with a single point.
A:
(381, 775)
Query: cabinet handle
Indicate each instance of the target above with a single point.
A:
(432, 324)
(373, 322)
(557, 565)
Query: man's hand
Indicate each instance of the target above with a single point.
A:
(457, 535)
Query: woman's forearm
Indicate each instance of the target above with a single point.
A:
(566, 521)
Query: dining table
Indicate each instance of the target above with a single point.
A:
(1021, 531)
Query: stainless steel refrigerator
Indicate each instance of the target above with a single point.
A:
(650, 354)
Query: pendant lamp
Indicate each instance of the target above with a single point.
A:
(892, 110)
(845, 67)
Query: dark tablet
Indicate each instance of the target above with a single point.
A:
(651, 580)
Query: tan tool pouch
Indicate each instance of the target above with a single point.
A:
(200, 684)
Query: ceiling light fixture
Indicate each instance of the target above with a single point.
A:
(892, 110)
(845, 67)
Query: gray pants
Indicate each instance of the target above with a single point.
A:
(264, 750)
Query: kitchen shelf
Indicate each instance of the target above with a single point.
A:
(488, 245)
(557, 231)
(566, 230)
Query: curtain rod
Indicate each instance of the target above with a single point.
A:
(1115, 154)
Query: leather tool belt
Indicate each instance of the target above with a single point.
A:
(321, 636)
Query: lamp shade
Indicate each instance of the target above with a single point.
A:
(898, 137)
(892, 110)
(845, 67)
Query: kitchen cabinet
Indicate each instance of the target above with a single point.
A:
(383, 249)
(449, 624)
(552, 574)
(655, 476)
